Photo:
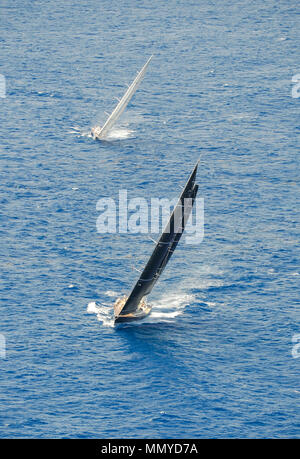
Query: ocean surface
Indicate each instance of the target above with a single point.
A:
(218, 357)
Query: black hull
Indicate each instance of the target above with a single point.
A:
(138, 315)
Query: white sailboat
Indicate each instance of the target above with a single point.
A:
(99, 132)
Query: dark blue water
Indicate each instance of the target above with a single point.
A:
(215, 359)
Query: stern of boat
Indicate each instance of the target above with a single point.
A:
(95, 131)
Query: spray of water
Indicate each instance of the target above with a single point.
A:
(166, 309)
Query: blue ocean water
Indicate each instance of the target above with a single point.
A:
(215, 359)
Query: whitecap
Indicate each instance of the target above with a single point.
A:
(111, 293)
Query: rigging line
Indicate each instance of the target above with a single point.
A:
(138, 270)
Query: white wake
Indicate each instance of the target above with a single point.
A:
(166, 309)
(113, 134)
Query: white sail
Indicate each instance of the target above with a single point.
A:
(97, 131)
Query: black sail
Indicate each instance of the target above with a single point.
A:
(165, 246)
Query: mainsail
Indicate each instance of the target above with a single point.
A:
(164, 247)
(99, 132)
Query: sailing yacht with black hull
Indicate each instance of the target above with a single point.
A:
(134, 306)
